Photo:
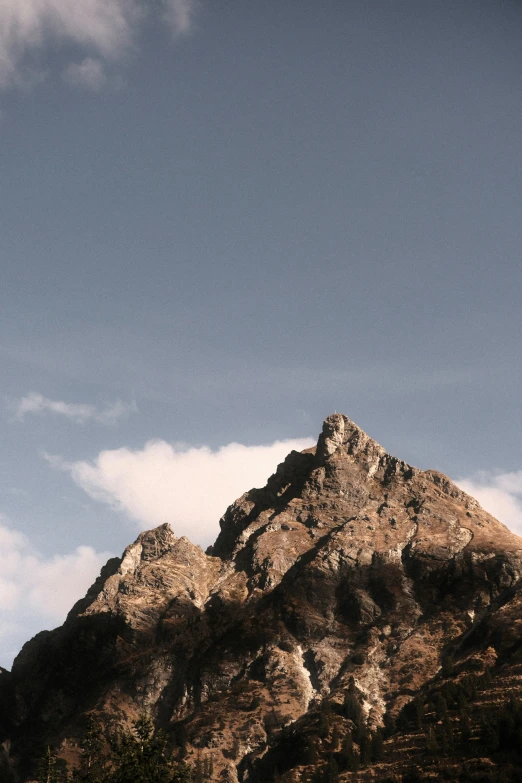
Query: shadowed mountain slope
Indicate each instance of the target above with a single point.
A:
(350, 588)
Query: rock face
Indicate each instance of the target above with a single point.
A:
(350, 572)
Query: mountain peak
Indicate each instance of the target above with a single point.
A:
(349, 572)
(340, 432)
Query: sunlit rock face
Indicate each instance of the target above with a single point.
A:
(350, 571)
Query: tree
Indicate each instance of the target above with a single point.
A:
(446, 737)
(465, 728)
(199, 774)
(332, 770)
(365, 748)
(432, 746)
(335, 738)
(208, 767)
(324, 720)
(48, 771)
(349, 754)
(135, 755)
(418, 705)
(489, 734)
(377, 746)
(412, 776)
(390, 724)
(140, 755)
(440, 705)
(462, 700)
(182, 773)
(94, 760)
(352, 709)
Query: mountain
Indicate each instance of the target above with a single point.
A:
(355, 612)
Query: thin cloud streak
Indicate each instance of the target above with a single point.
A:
(37, 404)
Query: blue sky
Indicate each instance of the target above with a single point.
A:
(222, 221)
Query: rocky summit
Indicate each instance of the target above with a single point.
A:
(356, 619)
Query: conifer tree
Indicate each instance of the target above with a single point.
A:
(418, 704)
(335, 738)
(390, 724)
(94, 760)
(440, 705)
(462, 700)
(332, 771)
(365, 748)
(349, 754)
(489, 734)
(465, 728)
(377, 746)
(199, 771)
(352, 709)
(412, 776)
(432, 746)
(48, 771)
(208, 767)
(140, 756)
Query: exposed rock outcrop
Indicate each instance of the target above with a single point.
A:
(351, 571)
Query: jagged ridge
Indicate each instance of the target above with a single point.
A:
(349, 566)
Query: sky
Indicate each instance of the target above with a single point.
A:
(223, 220)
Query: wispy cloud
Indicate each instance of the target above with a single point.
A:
(37, 404)
(105, 28)
(500, 494)
(32, 594)
(188, 487)
(90, 73)
(180, 15)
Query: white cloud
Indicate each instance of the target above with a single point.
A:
(501, 495)
(35, 403)
(188, 487)
(107, 28)
(90, 73)
(37, 592)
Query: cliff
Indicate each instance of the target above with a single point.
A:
(348, 589)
